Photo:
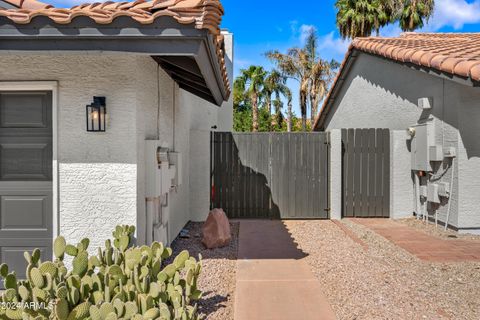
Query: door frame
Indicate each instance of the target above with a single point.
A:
(53, 87)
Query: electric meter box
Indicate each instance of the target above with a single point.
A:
(444, 189)
(436, 153)
(450, 152)
(420, 146)
(432, 193)
(176, 160)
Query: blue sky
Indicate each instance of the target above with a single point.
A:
(262, 25)
(259, 26)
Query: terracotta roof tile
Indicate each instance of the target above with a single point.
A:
(454, 53)
(204, 14)
(442, 51)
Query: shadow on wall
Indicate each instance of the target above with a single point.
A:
(458, 105)
(241, 191)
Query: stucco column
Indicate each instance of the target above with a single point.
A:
(335, 174)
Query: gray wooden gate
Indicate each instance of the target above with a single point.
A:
(366, 172)
(270, 175)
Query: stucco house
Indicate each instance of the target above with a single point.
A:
(424, 87)
(105, 118)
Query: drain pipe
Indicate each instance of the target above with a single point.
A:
(451, 193)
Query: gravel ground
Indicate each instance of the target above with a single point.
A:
(217, 280)
(438, 231)
(384, 281)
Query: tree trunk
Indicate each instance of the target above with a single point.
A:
(414, 9)
(314, 112)
(268, 102)
(289, 117)
(303, 110)
(255, 112)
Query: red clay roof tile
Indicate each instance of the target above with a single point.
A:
(204, 14)
(454, 53)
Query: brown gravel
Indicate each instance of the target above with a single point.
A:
(217, 280)
(384, 281)
(438, 231)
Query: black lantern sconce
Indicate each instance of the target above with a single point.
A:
(96, 113)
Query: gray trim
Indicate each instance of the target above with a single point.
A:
(163, 38)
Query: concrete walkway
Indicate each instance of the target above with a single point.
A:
(424, 246)
(272, 280)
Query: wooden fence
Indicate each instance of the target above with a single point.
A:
(270, 175)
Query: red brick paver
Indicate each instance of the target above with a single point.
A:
(422, 245)
(350, 234)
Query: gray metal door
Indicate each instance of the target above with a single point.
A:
(270, 175)
(25, 176)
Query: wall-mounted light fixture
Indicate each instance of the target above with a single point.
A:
(96, 112)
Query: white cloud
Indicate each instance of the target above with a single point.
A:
(305, 30)
(331, 47)
(454, 13)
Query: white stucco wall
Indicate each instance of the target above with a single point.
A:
(102, 175)
(378, 93)
(97, 171)
(185, 122)
(401, 185)
(335, 183)
(200, 129)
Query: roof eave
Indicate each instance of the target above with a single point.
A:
(165, 37)
(352, 53)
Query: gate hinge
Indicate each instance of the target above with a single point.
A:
(327, 209)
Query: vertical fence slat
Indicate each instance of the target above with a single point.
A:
(379, 176)
(386, 173)
(351, 173)
(371, 173)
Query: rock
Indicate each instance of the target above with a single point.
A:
(216, 230)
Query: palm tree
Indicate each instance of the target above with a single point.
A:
(280, 90)
(294, 64)
(359, 18)
(414, 12)
(320, 72)
(273, 83)
(288, 95)
(251, 82)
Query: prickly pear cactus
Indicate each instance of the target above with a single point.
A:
(119, 282)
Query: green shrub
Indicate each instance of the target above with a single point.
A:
(120, 282)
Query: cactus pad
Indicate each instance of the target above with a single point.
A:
(80, 312)
(3, 270)
(59, 247)
(80, 263)
(71, 250)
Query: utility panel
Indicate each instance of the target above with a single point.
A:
(436, 153)
(444, 189)
(423, 139)
(432, 193)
